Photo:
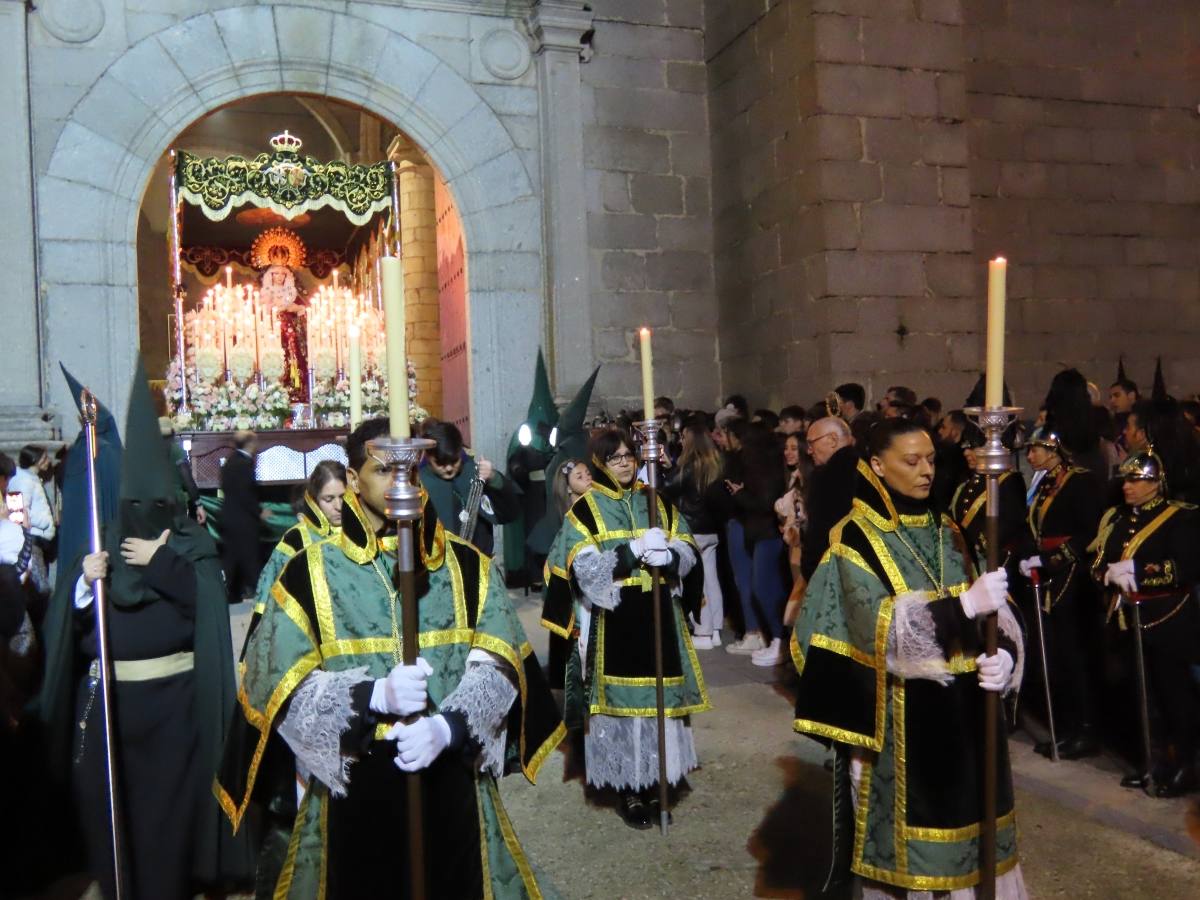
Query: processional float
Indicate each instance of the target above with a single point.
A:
(254, 354)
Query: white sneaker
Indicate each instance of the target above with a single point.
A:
(716, 639)
(751, 642)
(771, 655)
(702, 641)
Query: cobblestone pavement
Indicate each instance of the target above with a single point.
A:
(756, 822)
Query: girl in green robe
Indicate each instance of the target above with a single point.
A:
(890, 655)
(599, 568)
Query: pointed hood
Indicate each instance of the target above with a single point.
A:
(541, 417)
(106, 424)
(145, 468)
(73, 530)
(572, 436)
(1121, 376)
(1159, 392)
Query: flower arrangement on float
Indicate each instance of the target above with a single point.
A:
(247, 401)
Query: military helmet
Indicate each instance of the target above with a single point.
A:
(1145, 465)
(1044, 437)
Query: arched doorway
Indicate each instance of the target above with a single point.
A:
(330, 131)
(90, 201)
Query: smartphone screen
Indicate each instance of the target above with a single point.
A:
(15, 502)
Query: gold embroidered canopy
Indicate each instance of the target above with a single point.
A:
(283, 181)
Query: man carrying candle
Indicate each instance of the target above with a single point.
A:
(323, 672)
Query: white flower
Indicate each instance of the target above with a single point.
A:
(208, 363)
(241, 362)
(272, 363)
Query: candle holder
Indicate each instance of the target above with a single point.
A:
(993, 458)
(649, 446)
(401, 455)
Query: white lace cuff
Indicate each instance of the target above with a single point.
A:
(594, 574)
(1008, 626)
(319, 714)
(913, 650)
(687, 556)
(484, 697)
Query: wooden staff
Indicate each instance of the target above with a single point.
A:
(991, 706)
(406, 587)
(403, 506)
(87, 405)
(993, 460)
(650, 450)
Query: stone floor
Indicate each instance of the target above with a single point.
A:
(757, 820)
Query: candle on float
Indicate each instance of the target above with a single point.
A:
(647, 375)
(355, 375)
(997, 296)
(229, 276)
(392, 270)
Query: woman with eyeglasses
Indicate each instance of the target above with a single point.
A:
(889, 648)
(610, 552)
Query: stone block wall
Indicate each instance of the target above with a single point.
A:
(649, 222)
(869, 156)
(1084, 146)
(843, 219)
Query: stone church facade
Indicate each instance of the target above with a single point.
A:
(792, 193)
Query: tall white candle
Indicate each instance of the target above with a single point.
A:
(355, 375)
(647, 375)
(997, 297)
(392, 270)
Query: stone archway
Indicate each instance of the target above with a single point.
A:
(90, 196)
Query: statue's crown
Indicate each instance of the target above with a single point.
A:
(286, 142)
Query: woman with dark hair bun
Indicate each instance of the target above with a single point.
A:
(892, 668)
(609, 549)
(318, 515)
(1069, 415)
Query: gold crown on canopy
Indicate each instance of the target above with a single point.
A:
(278, 247)
(286, 142)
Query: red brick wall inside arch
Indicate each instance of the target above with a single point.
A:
(452, 304)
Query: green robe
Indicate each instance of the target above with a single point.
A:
(311, 526)
(331, 609)
(920, 741)
(620, 654)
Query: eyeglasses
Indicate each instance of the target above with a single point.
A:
(617, 458)
(828, 434)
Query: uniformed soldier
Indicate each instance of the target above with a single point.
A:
(1063, 514)
(1145, 553)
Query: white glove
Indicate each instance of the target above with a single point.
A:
(403, 691)
(995, 671)
(657, 558)
(651, 539)
(1121, 575)
(986, 595)
(419, 744)
(1034, 562)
